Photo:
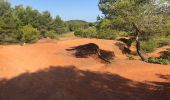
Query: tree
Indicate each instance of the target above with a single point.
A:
(31, 16)
(78, 24)
(9, 23)
(59, 26)
(45, 21)
(20, 12)
(139, 17)
(104, 29)
(4, 6)
(18, 19)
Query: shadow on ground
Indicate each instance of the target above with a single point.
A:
(92, 50)
(70, 83)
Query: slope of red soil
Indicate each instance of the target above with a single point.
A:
(158, 51)
(45, 64)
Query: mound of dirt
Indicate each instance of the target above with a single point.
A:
(92, 50)
(123, 48)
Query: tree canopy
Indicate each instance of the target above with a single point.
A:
(143, 18)
(12, 19)
(77, 24)
(151, 16)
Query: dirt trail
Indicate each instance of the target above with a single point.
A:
(16, 59)
(33, 59)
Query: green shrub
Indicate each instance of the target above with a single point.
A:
(51, 35)
(158, 61)
(61, 30)
(163, 40)
(166, 55)
(91, 32)
(162, 43)
(75, 25)
(105, 30)
(29, 34)
(107, 34)
(122, 33)
(9, 38)
(79, 32)
(87, 33)
(148, 45)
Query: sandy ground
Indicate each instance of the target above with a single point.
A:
(47, 71)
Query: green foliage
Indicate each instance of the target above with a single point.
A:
(45, 20)
(87, 33)
(6, 39)
(107, 34)
(102, 31)
(162, 43)
(150, 16)
(78, 24)
(51, 35)
(29, 34)
(9, 24)
(166, 55)
(158, 61)
(59, 26)
(163, 40)
(149, 45)
(122, 33)
(12, 19)
(105, 31)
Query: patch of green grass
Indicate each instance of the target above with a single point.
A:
(158, 61)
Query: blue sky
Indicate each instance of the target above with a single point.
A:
(67, 9)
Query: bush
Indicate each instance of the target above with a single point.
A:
(163, 40)
(87, 33)
(162, 43)
(91, 32)
(122, 33)
(75, 25)
(148, 45)
(166, 55)
(9, 38)
(105, 30)
(62, 30)
(29, 34)
(158, 61)
(51, 35)
(107, 34)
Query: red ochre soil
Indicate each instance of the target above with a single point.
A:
(48, 71)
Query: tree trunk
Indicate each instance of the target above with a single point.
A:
(138, 49)
(138, 43)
